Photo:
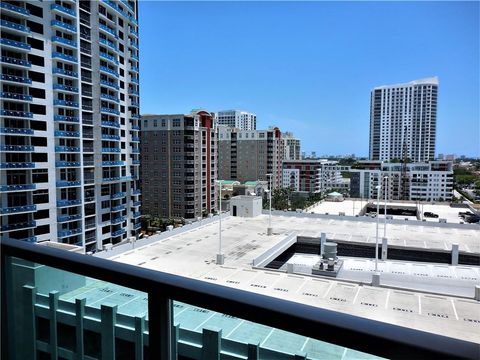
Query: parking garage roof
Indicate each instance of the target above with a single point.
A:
(191, 252)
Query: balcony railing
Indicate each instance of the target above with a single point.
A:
(65, 88)
(137, 226)
(162, 289)
(60, 102)
(118, 195)
(110, 137)
(108, 43)
(15, 61)
(13, 148)
(14, 78)
(118, 208)
(19, 187)
(16, 9)
(64, 41)
(66, 118)
(16, 131)
(16, 113)
(62, 203)
(119, 220)
(64, 233)
(15, 96)
(64, 218)
(65, 183)
(63, 9)
(67, 163)
(110, 97)
(107, 150)
(17, 165)
(110, 124)
(15, 44)
(109, 84)
(18, 209)
(66, 133)
(64, 26)
(65, 72)
(108, 30)
(113, 163)
(15, 26)
(63, 56)
(67, 149)
(17, 226)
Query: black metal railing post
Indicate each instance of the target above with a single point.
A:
(160, 323)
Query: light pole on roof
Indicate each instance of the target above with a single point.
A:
(269, 229)
(220, 256)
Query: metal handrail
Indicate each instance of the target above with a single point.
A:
(371, 336)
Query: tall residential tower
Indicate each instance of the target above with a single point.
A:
(403, 120)
(69, 130)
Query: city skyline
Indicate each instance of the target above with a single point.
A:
(327, 73)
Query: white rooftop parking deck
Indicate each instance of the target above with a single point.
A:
(191, 252)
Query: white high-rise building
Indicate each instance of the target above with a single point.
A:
(403, 120)
(238, 119)
(69, 127)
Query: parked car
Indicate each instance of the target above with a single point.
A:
(430, 214)
(472, 219)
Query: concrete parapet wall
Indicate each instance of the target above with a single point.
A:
(373, 220)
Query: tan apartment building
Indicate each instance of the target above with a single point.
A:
(179, 165)
(250, 155)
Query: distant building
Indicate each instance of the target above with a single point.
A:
(403, 120)
(179, 164)
(250, 155)
(431, 181)
(316, 176)
(237, 119)
(291, 147)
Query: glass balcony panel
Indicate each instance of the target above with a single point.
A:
(47, 303)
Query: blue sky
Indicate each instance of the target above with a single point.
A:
(308, 67)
